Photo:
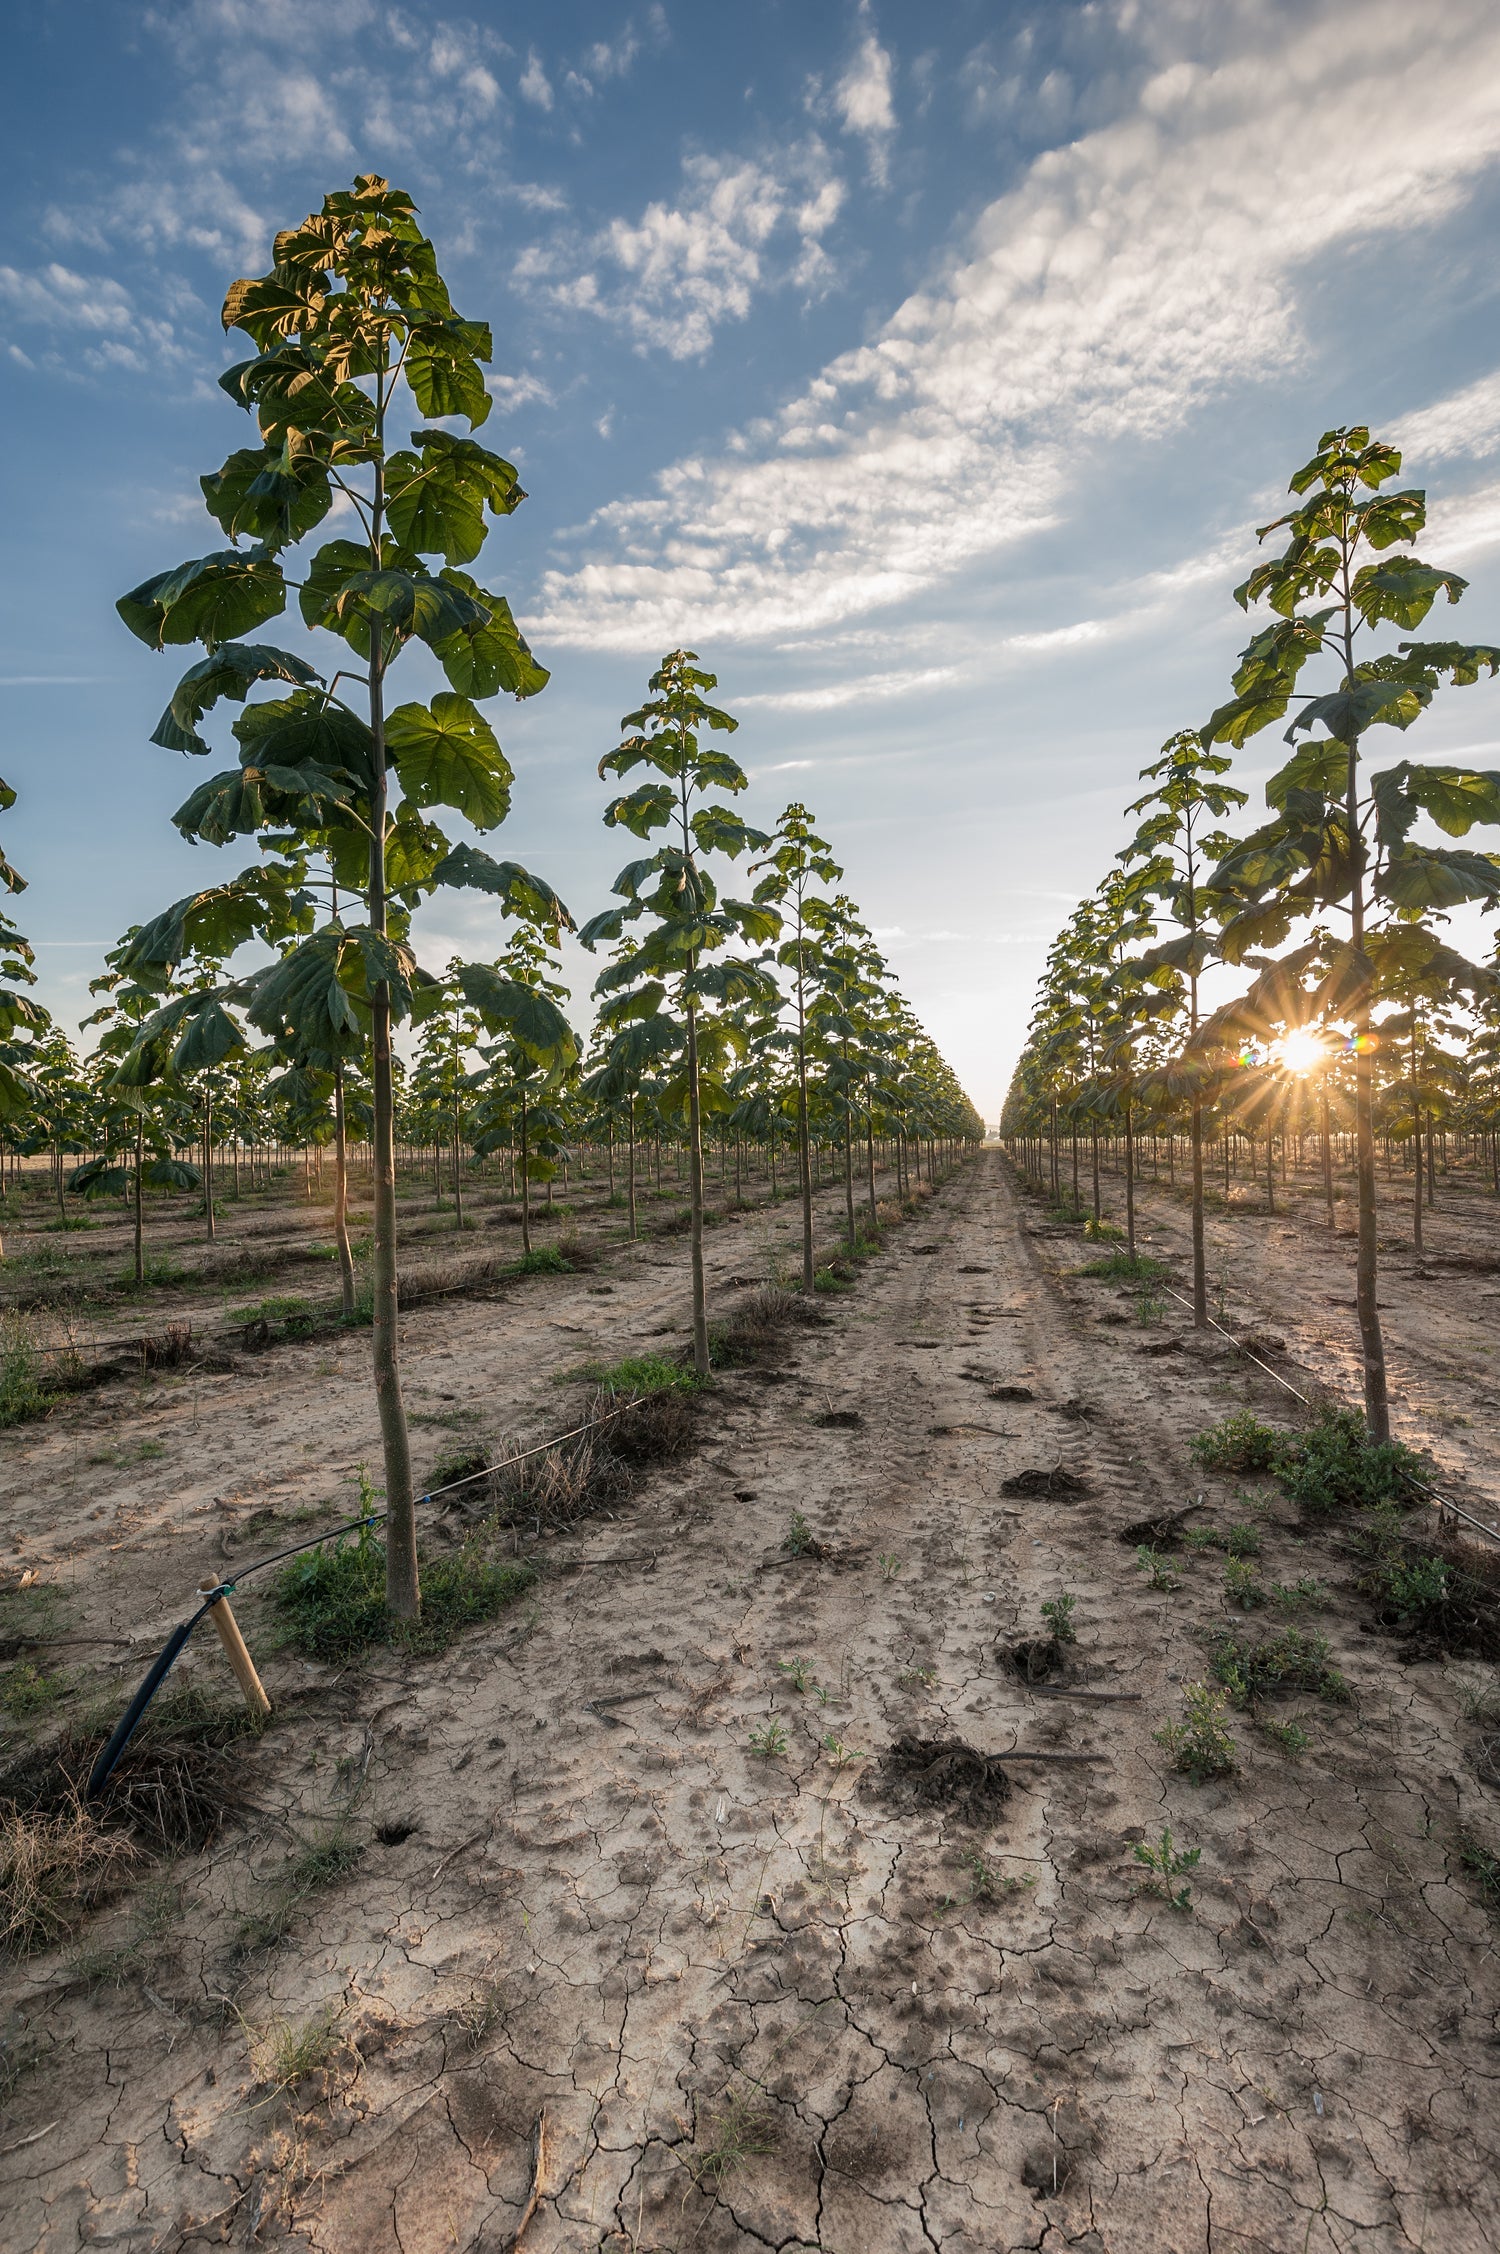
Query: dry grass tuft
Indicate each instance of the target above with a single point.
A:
(54, 1869)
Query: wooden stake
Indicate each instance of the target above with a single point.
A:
(236, 1652)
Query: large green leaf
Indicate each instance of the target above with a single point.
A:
(521, 893)
(445, 379)
(1402, 591)
(530, 1019)
(1418, 878)
(644, 810)
(1347, 712)
(230, 672)
(492, 653)
(306, 730)
(446, 755)
(213, 599)
(270, 494)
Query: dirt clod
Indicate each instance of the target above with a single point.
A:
(1038, 1480)
(934, 1772)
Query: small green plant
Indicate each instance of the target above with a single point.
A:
(542, 1260)
(916, 1678)
(640, 1374)
(316, 1863)
(1102, 1231)
(1063, 1211)
(1290, 1660)
(1417, 1586)
(1337, 1466)
(1289, 1736)
(283, 2054)
(154, 1912)
(1482, 1866)
(1200, 1744)
(1149, 1307)
(769, 1741)
(25, 1379)
(331, 1601)
(741, 2127)
(1126, 1268)
(1198, 1539)
(296, 1316)
(986, 1884)
(1058, 1613)
(840, 1754)
(835, 1278)
(799, 1540)
(1241, 1540)
(1157, 1569)
(889, 1563)
(26, 1690)
(1240, 1442)
(1243, 1585)
(1295, 1596)
(1163, 1865)
(797, 1672)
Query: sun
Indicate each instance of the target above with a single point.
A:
(1300, 1052)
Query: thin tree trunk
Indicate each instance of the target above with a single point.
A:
(525, 1177)
(341, 1198)
(695, 1186)
(140, 1167)
(1129, 1181)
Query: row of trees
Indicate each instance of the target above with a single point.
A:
(338, 789)
(1337, 902)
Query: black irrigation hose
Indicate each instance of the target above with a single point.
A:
(1444, 1502)
(110, 1756)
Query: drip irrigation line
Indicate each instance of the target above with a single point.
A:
(111, 1754)
(1444, 1502)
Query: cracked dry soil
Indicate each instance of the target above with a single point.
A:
(627, 1984)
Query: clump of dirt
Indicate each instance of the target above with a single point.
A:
(944, 1773)
(840, 1420)
(755, 1330)
(1162, 1346)
(1058, 1483)
(1164, 1532)
(1036, 1657)
(1010, 1393)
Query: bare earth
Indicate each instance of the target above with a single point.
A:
(621, 1982)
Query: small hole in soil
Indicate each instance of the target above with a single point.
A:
(393, 1833)
(924, 1248)
(840, 1420)
(976, 1271)
(1011, 1393)
(744, 1494)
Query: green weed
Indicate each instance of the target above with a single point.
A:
(1125, 1267)
(986, 1884)
(1337, 1466)
(799, 1539)
(1164, 1865)
(27, 1690)
(1290, 1660)
(543, 1260)
(797, 1672)
(1243, 1585)
(26, 1387)
(1290, 1736)
(1240, 1443)
(331, 1601)
(769, 1742)
(1156, 1567)
(1058, 1613)
(1102, 1231)
(1484, 1867)
(1200, 1745)
(296, 1316)
(641, 1374)
(317, 1864)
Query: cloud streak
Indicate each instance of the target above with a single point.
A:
(1131, 278)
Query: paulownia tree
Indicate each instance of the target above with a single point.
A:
(798, 862)
(1340, 837)
(353, 318)
(666, 973)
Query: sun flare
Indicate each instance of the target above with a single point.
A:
(1300, 1052)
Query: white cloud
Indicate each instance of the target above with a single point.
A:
(1463, 526)
(670, 278)
(1467, 423)
(535, 85)
(862, 99)
(1129, 279)
(518, 391)
(832, 694)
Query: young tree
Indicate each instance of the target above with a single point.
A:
(798, 861)
(689, 921)
(519, 998)
(353, 310)
(1341, 837)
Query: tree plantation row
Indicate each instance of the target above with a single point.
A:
(1361, 1020)
(744, 1020)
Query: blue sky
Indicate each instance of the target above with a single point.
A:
(926, 369)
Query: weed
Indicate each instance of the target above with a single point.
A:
(479, 2017)
(836, 1277)
(1476, 1701)
(1296, 1596)
(331, 1601)
(158, 1271)
(1197, 1539)
(1058, 1614)
(823, 1694)
(769, 1741)
(543, 1260)
(1243, 1585)
(27, 1690)
(1149, 1307)
(154, 1913)
(840, 1754)
(1242, 1541)
(1290, 1660)
(1101, 1231)
(798, 1540)
(641, 1375)
(989, 1885)
(1240, 1443)
(1200, 1745)
(1417, 1586)
(1164, 1864)
(797, 1672)
(1059, 1212)
(916, 1678)
(1157, 1569)
(1337, 1466)
(737, 2131)
(25, 1391)
(295, 1315)
(316, 1864)
(54, 1869)
(1483, 1866)
(282, 2054)
(1125, 1267)
(889, 1563)
(1290, 1736)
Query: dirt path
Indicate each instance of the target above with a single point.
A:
(645, 1988)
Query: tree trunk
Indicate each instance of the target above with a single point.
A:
(208, 1162)
(1129, 1181)
(341, 1198)
(630, 1170)
(695, 1191)
(1327, 1162)
(525, 1177)
(140, 1167)
(804, 1154)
